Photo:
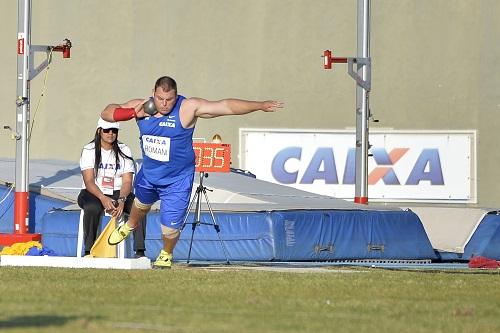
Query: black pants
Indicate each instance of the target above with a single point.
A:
(92, 212)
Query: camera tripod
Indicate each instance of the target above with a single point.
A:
(201, 189)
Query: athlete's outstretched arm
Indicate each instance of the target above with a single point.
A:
(232, 106)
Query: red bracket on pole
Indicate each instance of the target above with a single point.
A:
(65, 48)
(329, 60)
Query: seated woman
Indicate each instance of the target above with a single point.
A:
(108, 170)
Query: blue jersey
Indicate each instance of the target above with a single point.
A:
(167, 147)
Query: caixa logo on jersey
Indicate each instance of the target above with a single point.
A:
(323, 166)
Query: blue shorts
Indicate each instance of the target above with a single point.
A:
(174, 198)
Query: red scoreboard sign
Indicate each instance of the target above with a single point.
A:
(212, 157)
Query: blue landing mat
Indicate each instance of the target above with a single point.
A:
(274, 236)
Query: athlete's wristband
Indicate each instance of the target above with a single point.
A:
(121, 114)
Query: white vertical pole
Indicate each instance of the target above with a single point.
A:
(25, 73)
(362, 104)
(21, 205)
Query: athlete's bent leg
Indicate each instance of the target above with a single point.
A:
(138, 212)
(170, 237)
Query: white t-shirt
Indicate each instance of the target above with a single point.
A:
(109, 175)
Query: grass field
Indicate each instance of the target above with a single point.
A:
(187, 299)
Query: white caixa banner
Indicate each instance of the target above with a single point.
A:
(403, 166)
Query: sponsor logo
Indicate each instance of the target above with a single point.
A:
(155, 140)
(109, 166)
(20, 42)
(20, 46)
(166, 124)
(322, 166)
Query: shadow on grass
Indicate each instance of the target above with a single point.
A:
(37, 321)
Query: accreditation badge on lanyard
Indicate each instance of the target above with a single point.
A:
(108, 185)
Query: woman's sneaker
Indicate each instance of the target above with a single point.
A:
(139, 254)
(164, 260)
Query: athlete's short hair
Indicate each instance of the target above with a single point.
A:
(166, 83)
